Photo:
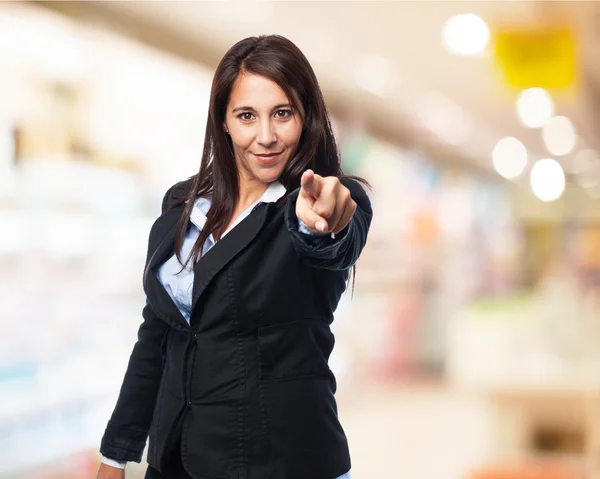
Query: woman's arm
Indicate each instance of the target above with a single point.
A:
(127, 430)
(126, 433)
(344, 249)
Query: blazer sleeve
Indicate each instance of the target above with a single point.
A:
(127, 430)
(343, 251)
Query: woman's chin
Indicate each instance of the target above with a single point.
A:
(268, 181)
(269, 176)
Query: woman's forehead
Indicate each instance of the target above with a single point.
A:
(256, 92)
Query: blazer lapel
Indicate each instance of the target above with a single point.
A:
(160, 248)
(162, 239)
(226, 249)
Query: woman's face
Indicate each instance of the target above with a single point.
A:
(264, 129)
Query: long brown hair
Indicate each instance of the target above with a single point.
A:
(278, 59)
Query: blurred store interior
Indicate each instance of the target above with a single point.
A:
(471, 346)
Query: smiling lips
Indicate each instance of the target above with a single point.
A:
(268, 157)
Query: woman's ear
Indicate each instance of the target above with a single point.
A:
(225, 129)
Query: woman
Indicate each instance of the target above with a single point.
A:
(245, 267)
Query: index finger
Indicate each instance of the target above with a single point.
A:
(310, 183)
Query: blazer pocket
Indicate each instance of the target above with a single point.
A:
(294, 349)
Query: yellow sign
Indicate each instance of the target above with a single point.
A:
(540, 57)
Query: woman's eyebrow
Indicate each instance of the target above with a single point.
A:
(249, 108)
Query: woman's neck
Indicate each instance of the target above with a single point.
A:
(249, 193)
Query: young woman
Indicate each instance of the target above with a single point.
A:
(229, 377)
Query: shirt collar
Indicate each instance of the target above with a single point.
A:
(272, 194)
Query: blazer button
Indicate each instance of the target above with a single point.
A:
(189, 403)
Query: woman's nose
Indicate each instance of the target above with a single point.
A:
(266, 133)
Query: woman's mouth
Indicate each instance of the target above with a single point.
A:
(268, 158)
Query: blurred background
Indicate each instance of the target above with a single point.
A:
(471, 347)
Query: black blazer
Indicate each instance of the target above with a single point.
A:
(246, 385)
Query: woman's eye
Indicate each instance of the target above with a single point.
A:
(246, 116)
(283, 113)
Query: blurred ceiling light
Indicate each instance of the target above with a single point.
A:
(465, 34)
(535, 107)
(375, 74)
(509, 157)
(559, 135)
(441, 115)
(547, 179)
